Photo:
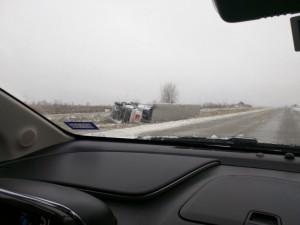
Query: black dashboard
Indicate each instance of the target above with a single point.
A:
(31, 202)
(91, 182)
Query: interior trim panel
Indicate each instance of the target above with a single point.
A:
(33, 202)
(235, 197)
(111, 173)
(162, 185)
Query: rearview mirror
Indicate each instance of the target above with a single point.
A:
(244, 10)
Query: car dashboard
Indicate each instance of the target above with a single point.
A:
(91, 182)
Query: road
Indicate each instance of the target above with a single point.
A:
(280, 126)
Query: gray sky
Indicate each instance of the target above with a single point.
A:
(101, 51)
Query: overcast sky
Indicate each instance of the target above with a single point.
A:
(101, 51)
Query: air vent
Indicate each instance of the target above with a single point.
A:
(260, 218)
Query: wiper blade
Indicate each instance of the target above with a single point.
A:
(206, 140)
(248, 144)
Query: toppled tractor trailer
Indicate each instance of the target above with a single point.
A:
(131, 112)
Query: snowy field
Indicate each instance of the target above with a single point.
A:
(134, 132)
(109, 128)
(100, 119)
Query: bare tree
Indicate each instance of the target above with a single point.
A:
(169, 93)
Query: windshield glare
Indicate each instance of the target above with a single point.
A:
(162, 68)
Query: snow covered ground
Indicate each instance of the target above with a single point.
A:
(134, 132)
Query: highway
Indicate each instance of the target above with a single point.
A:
(281, 126)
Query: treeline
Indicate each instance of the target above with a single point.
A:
(58, 107)
(224, 105)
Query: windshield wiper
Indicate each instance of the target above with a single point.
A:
(236, 143)
(205, 140)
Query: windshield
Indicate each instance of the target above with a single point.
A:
(136, 68)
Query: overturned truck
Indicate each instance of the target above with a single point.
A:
(131, 112)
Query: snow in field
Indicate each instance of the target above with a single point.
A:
(134, 132)
(99, 116)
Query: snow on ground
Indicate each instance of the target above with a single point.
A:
(98, 116)
(134, 132)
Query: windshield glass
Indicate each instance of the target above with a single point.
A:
(136, 68)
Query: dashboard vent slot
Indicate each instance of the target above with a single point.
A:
(259, 218)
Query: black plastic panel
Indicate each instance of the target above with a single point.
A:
(129, 174)
(244, 10)
(227, 156)
(64, 205)
(230, 199)
(160, 209)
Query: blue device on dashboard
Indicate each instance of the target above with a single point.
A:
(82, 125)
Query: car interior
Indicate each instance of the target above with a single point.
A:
(49, 176)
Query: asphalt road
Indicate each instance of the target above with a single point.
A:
(280, 126)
